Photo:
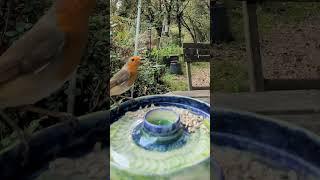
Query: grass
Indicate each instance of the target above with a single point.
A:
(179, 82)
(175, 82)
(230, 76)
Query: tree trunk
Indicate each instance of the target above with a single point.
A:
(193, 34)
(168, 24)
(159, 31)
(180, 29)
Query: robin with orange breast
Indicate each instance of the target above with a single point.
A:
(125, 78)
(45, 57)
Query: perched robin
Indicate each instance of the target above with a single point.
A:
(123, 80)
(45, 57)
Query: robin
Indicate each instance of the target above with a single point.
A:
(124, 79)
(45, 57)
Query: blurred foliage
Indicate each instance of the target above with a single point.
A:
(16, 17)
(197, 17)
(91, 76)
(167, 51)
(94, 71)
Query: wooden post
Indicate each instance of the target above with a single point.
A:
(212, 3)
(253, 46)
(188, 66)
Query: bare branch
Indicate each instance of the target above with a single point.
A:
(185, 24)
(185, 6)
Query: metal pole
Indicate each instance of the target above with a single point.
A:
(137, 28)
(137, 37)
(150, 40)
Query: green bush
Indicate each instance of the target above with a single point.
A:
(146, 83)
(167, 51)
(161, 54)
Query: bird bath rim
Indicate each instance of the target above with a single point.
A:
(194, 105)
(289, 145)
(117, 112)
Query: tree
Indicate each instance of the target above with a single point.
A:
(154, 11)
(193, 17)
(168, 4)
(180, 6)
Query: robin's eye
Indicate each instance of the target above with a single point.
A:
(132, 60)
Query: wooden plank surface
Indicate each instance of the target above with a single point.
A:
(197, 52)
(202, 95)
(298, 107)
(271, 102)
(195, 55)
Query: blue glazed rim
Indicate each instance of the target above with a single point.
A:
(159, 143)
(161, 129)
(203, 108)
(290, 146)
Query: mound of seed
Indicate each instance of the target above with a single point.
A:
(238, 165)
(92, 166)
(189, 120)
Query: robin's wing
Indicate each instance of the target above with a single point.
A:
(119, 78)
(34, 50)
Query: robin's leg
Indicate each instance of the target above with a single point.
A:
(24, 138)
(117, 104)
(129, 98)
(125, 97)
(114, 102)
(60, 115)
